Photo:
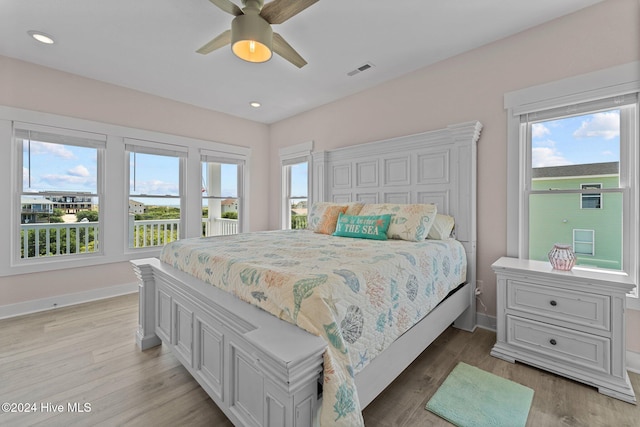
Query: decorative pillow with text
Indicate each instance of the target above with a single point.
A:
(364, 227)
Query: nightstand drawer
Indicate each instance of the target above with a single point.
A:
(565, 345)
(581, 308)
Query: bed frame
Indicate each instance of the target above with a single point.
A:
(263, 371)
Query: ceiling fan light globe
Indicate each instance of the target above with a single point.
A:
(251, 38)
(259, 53)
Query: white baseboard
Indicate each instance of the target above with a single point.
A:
(50, 303)
(485, 321)
(633, 362)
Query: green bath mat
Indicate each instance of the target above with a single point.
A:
(471, 397)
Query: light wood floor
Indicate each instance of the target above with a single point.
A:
(87, 354)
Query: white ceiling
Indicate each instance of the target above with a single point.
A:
(149, 45)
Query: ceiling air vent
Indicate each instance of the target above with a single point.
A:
(363, 67)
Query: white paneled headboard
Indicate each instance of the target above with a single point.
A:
(436, 167)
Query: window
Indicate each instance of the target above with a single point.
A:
(296, 195)
(583, 242)
(564, 150)
(80, 193)
(573, 170)
(591, 200)
(155, 193)
(60, 192)
(295, 185)
(222, 201)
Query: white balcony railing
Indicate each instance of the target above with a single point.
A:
(40, 240)
(153, 232)
(51, 239)
(219, 227)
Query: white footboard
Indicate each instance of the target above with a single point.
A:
(260, 371)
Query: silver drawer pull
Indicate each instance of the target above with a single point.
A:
(552, 341)
(553, 303)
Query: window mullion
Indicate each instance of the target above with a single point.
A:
(525, 184)
(630, 182)
(628, 118)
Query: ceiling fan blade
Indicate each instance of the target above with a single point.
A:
(278, 11)
(227, 6)
(284, 49)
(218, 42)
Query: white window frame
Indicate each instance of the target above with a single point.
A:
(591, 195)
(592, 242)
(159, 149)
(620, 81)
(295, 154)
(93, 140)
(241, 160)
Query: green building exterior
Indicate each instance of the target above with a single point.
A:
(590, 223)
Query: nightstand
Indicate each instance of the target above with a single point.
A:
(571, 323)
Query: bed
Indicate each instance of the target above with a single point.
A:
(234, 328)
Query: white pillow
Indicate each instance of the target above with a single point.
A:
(441, 228)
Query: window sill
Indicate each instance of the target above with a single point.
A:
(53, 264)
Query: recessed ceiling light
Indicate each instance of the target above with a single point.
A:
(255, 104)
(41, 37)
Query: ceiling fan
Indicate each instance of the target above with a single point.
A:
(251, 36)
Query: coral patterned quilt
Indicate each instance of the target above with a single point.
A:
(357, 294)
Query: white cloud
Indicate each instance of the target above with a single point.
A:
(538, 130)
(45, 148)
(546, 143)
(547, 156)
(63, 182)
(156, 187)
(604, 125)
(79, 171)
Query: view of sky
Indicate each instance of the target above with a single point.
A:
(592, 138)
(48, 167)
(154, 175)
(299, 180)
(51, 167)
